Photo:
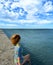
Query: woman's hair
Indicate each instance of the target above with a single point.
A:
(15, 39)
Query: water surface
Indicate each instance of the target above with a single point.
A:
(39, 43)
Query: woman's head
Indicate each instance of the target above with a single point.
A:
(15, 39)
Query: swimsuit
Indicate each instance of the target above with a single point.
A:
(18, 53)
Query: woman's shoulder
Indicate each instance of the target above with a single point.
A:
(17, 47)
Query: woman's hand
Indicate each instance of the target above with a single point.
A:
(18, 61)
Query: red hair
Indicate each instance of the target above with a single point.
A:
(15, 39)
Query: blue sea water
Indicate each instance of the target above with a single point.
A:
(37, 42)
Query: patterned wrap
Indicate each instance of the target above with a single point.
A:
(18, 53)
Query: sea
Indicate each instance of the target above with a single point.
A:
(36, 42)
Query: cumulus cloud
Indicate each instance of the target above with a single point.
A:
(3, 25)
(23, 11)
(48, 6)
(1, 6)
(44, 22)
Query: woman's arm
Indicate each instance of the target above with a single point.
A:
(18, 61)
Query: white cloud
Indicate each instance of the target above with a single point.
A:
(48, 6)
(7, 3)
(7, 25)
(16, 0)
(44, 22)
(11, 25)
(26, 3)
(48, 14)
(2, 1)
(32, 7)
(2, 24)
(15, 4)
(18, 21)
(1, 6)
(35, 21)
(12, 14)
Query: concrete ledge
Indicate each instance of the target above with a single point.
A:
(6, 50)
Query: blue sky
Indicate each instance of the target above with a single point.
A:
(26, 14)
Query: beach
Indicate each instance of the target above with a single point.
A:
(6, 50)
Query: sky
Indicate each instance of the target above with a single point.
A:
(26, 14)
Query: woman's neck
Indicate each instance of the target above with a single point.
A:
(17, 44)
